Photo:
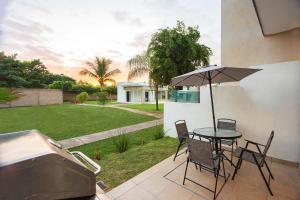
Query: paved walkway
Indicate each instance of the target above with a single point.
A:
(118, 106)
(86, 139)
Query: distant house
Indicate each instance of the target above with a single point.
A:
(139, 92)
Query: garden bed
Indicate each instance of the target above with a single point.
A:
(144, 152)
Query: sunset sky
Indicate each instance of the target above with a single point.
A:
(65, 34)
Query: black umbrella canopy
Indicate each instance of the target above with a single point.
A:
(214, 73)
(208, 75)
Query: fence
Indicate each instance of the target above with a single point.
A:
(34, 97)
(185, 96)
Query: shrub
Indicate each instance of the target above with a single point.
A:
(102, 97)
(98, 155)
(159, 133)
(7, 95)
(82, 97)
(122, 142)
(64, 85)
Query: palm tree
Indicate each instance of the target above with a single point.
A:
(99, 70)
(139, 66)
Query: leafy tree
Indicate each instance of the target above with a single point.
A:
(175, 51)
(102, 97)
(99, 69)
(140, 66)
(77, 88)
(30, 74)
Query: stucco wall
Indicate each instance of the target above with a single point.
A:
(265, 101)
(242, 41)
(33, 97)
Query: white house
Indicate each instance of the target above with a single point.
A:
(255, 36)
(139, 92)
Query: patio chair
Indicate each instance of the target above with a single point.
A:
(257, 158)
(228, 124)
(182, 134)
(201, 153)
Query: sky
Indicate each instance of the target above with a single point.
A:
(65, 34)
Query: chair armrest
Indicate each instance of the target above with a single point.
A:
(255, 143)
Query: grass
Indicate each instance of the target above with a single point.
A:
(66, 120)
(97, 102)
(146, 107)
(144, 151)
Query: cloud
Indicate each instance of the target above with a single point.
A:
(140, 40)
(124, 16)
(3, 7)
(35, 7)
(27, 26)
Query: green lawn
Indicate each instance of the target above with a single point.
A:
(119, 167)
(97, 102)
(66, 120)
(146, 107)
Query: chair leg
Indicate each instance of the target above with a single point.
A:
(224, 173)
(216, 183)
(238, 165)
(177, 150)
(269, 170)
(262, 174)
(187, 164)
(231, 154)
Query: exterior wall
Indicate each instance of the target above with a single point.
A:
(242, 41)
(138, 95)
(34, 97)
(265, 101)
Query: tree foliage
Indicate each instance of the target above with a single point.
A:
(175, 51)
(99, 69)
(102, 97)
(29, 74)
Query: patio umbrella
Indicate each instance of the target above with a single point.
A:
(208, 75)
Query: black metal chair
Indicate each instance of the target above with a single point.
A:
(201, 153)
(257, 158)
(228, 124)
(182, 134)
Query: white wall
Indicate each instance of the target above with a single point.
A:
(121, 94)
(268, 100)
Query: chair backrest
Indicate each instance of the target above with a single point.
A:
(182, 131)
(200, 152)
(228, 124)
(268, 145)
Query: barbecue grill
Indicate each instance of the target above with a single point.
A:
(33, 166)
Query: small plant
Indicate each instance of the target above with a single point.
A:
(102, 97)
(142, 141)
(82, 97)
(98, 155)
(122, 142)
(8, 95)
(159, 133)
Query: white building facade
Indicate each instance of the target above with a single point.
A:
(265, 101)
(139, 92)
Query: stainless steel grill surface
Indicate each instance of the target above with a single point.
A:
(32, 166)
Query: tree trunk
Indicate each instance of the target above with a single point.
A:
(156, 96)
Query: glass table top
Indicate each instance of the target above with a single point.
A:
(209, 132)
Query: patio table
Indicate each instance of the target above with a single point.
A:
(217, 136)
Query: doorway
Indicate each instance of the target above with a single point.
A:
(146, 96)
(128, 96)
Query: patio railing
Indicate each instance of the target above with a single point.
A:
(185, 96)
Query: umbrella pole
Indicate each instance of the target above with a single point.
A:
(212, 101)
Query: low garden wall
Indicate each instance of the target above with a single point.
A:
(34, 97)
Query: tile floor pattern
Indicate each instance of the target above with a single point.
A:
(247, 185)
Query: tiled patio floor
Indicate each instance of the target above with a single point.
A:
(248, 184)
